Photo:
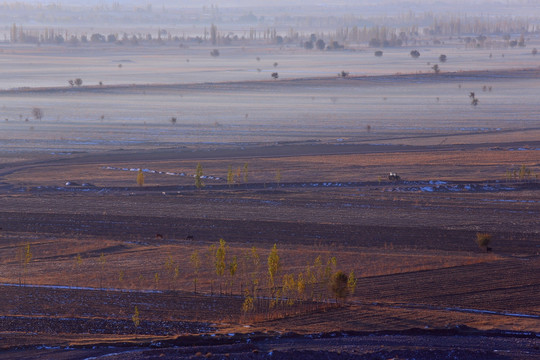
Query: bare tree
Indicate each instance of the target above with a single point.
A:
(37, 113)
(320, 44)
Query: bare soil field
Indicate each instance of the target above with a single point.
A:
(403, 240)
(93, 265)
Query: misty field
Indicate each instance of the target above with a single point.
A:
(225, 100)
(91, 257)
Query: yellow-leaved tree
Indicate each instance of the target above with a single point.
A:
(140, 178)
(198, 176)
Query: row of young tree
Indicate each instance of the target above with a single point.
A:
(262, 282)
(523, 173)
(260, 278)
(241, 175)
(351, 30)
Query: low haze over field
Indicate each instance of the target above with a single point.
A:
(254, 179)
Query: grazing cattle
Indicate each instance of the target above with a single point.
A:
(189, 237)
(159, 237)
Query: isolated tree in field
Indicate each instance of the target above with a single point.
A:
(415, 54)
(273, 267)
(238, 173)
(156, 280)
(198, 176)
(329, 269)
(524, 172)
(248, 305)
(351, 283)
(442, 58)
(211, 261)
(245, 173)
(278, 176)
(378, 53)
(214, 53)
(24, 256)
(37, 113)
(474, 99)
(320, 44)
(521, 41)
(275, 75)
(78, 82)
(436, 69)
(256, 265)
(220, 261)
(483, 240)
(289, 289)
(135, 318)
(71, 83)
(339, 285)
(233, 267)
(213, 34)
(140, 178)
(196, 263)
(230, 176)
(301, 286)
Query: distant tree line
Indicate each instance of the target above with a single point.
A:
(474, 31)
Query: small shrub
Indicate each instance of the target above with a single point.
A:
(37, 113)
(483, 240)
(415, 54)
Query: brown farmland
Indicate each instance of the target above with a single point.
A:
(91, 262)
